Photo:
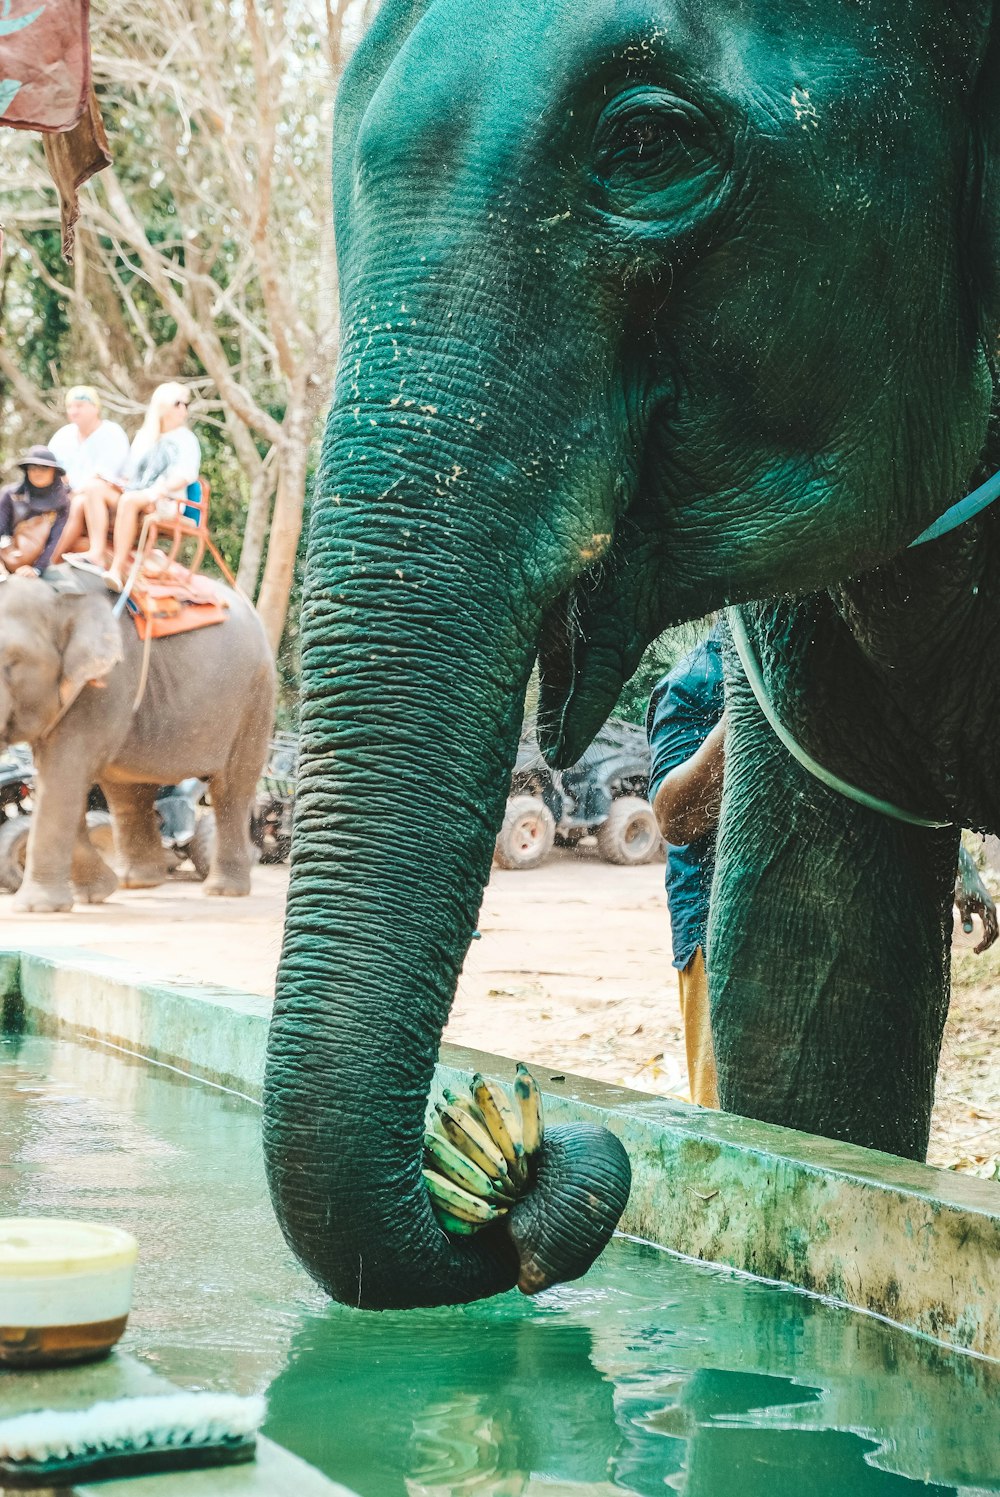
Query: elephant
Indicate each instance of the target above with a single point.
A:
(650, 308)
(70, 680)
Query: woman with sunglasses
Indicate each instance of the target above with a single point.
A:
(165, 457)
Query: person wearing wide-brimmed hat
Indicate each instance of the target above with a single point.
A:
(33, 512)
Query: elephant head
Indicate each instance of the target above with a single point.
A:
(51, 645)
(649, 306)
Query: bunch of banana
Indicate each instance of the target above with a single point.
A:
(479, 1151)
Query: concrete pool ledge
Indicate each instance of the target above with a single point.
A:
(918, 1245)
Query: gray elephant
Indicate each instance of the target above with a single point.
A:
(70, 674)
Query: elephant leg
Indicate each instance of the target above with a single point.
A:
(229, 872)
(138, 846)
(233, 793)
(828, 950)
(92, 879)
(61, 785)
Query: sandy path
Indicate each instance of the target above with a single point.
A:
(573, 971)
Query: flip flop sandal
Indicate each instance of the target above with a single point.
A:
(83, 565)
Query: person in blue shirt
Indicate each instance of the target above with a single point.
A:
(686, 728)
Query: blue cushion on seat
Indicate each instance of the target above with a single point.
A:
(192, 509)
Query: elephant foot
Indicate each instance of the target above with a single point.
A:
(34, 899)
(227, 885)
(142, 876)
(96, 889)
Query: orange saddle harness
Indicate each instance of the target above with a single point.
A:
(165, 598)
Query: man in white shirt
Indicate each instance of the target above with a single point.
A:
(88, 448)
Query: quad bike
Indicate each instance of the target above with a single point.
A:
(16, 779)
(603, 794)
(271, 819)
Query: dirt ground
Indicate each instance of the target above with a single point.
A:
(572, 971)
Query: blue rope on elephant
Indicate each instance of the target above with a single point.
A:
(751, 666)
(957, 515)
(964, 510)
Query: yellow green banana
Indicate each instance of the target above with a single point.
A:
(458, 1099)
(502, 1122)
(457, 1166)
(529, 1102)
(461, 1203)
(454, 1224)
(473, 1141)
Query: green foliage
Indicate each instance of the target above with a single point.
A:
(49, 323)
(660, 658)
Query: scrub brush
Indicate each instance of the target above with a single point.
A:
(128, 1437)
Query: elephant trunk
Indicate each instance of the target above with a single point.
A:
(417, 647)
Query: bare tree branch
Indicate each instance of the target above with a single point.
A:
(209, 245)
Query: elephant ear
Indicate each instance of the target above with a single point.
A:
(90, 645)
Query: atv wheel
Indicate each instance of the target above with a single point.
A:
(630, 835)
(527, 835)
(13, 851)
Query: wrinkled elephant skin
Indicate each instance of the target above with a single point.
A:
(648, 307)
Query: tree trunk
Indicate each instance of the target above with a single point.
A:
(255, 531)
(286, 526)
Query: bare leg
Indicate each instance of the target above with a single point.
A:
(138, 848)
(98, 500)
(73, 530)
(131, 507)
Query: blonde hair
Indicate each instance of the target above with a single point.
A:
(161, 400)
(84, 392)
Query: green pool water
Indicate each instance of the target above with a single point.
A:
(651, 1375)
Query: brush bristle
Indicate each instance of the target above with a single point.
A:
(175, 1421)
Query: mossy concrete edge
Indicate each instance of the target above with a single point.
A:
(918, 1245)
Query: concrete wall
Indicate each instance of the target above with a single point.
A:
(918, 1245)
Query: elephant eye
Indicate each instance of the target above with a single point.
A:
(638, 133)
(653, 154)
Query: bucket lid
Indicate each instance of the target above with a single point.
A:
(32, 1246)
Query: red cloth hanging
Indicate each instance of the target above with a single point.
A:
(45, 86)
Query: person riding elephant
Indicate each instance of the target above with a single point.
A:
(88, 445)
(33, 513)
(71, 685)
(164, 460)
(649, 308)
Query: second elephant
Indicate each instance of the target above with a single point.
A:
(70, 675)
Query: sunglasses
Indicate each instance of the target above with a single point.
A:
(183, 403)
